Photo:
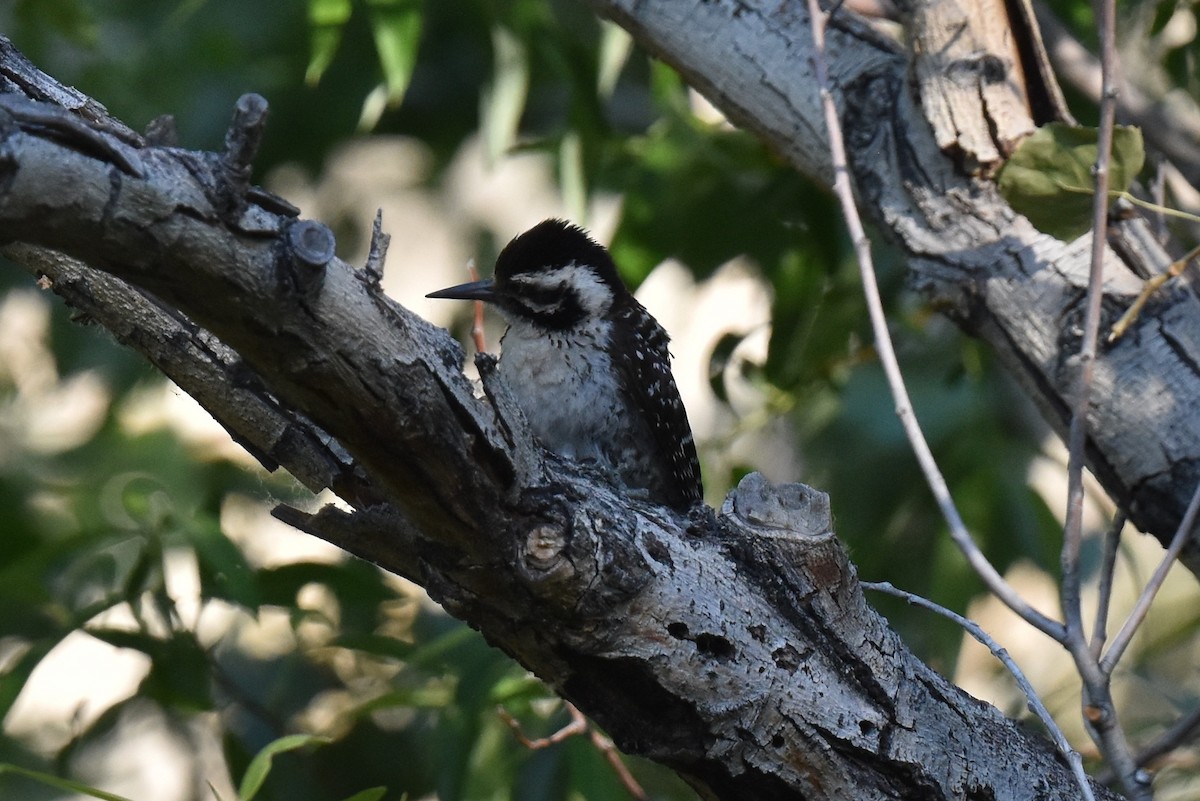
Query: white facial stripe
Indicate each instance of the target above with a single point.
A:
(594, 295)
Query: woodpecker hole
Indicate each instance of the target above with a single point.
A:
(678, 630)
(777, 741)
(715, 645)
(866, 727)
(712, 645)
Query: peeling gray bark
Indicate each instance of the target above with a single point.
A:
(980, 263)
(736, 648)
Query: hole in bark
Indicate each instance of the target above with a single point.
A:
(678, 630)
(866, 727)
(714, 645)
(786, 658)
(777, 741)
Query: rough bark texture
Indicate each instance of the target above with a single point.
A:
(981, 263)
(736, 648)
(970, 80)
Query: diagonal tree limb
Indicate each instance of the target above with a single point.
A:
(206, 369)
(737, 649)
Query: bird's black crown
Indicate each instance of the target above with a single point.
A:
(551, 244)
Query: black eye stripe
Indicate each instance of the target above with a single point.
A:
(546, 295)
(557, 312)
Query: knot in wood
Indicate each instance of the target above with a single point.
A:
(784, 511)
(543, 556)
(984, 68)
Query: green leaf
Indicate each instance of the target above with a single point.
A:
(60, 783)
(13, 680)
(72, 19)
(224, 572)
(1128, 158)
(572, 181)
(360, 587)
(370, 794)
(260, 766)
(327, 19)
(503, 99)
(432, 695)
(376, 645)
(125, 638)
(179, 674)
(705, 195)
(615, 46)
(396, 27)
(1049, 177)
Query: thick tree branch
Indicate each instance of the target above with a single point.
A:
(969, 253)
(738, 649)
(210, 372)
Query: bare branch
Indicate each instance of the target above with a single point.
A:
(1077, 432)
(1146, 597)
(578, 726)
(1033, 700)
(477, 330)
(206, 369)
(1108, 568)
(1183, 731)
(1099, 709)
(887, 353)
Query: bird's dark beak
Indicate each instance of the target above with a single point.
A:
(476, 290)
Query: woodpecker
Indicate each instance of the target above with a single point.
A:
(587, 363)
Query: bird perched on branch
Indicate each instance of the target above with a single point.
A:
(588, 364)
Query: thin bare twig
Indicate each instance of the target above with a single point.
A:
(1108, 566)
(1142, 607)
(1032, 699)
(606, 747)
(1152, 285)
(578, 725)
(1099, 710)
(1181, 731)
(1077, 435)
(477, 332)
(887, 354)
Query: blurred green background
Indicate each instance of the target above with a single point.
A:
(158, 628)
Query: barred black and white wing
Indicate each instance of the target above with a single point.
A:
(640, 352)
